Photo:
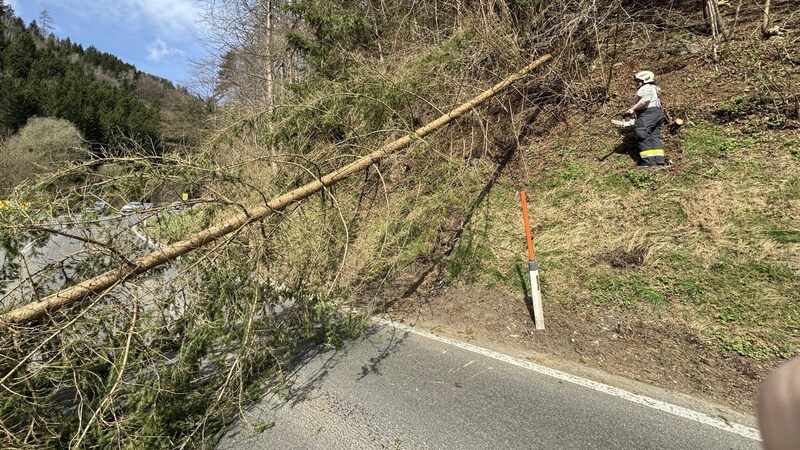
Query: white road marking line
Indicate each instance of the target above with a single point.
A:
(150, 243)
(669, 408)
(27, 248)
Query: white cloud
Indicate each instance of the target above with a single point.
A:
(168, 13)
(160, 49)
(166, 16)
(13, 4)
(157, 36)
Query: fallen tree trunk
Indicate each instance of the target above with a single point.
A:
(107, 280)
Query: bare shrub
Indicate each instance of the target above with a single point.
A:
(44, 144)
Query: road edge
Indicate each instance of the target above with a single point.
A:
(680, 411)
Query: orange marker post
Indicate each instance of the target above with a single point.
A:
(533, 268)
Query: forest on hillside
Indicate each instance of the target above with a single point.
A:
(109, 103)
(642, 271)
(47, 77)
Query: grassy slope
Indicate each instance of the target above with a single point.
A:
(701, 257)
(685, 276)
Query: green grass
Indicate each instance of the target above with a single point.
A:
(640, 179)
(168, 228)
(785, 236)
(668, 212)
(788, 190)
(732, 293)
(616, 182)
(714, 142)
(623, 290)
(792, 146)
(739, 106)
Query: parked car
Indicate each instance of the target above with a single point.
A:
(177, 206)
(131, 207)
(98, 207)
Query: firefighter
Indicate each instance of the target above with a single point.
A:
(649, 117)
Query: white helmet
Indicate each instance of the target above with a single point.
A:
(645, 76)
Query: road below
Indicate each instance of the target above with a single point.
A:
(399, 388)
(55, 256)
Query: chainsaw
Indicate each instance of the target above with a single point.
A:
(628, 120)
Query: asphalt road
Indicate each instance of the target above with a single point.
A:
(396, 389)
(38, 257)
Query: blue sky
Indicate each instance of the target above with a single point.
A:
(159, 37)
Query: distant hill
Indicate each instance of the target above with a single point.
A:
(104, 97)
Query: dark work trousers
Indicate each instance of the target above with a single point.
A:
(648, 134)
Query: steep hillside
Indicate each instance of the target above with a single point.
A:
(686, 276)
